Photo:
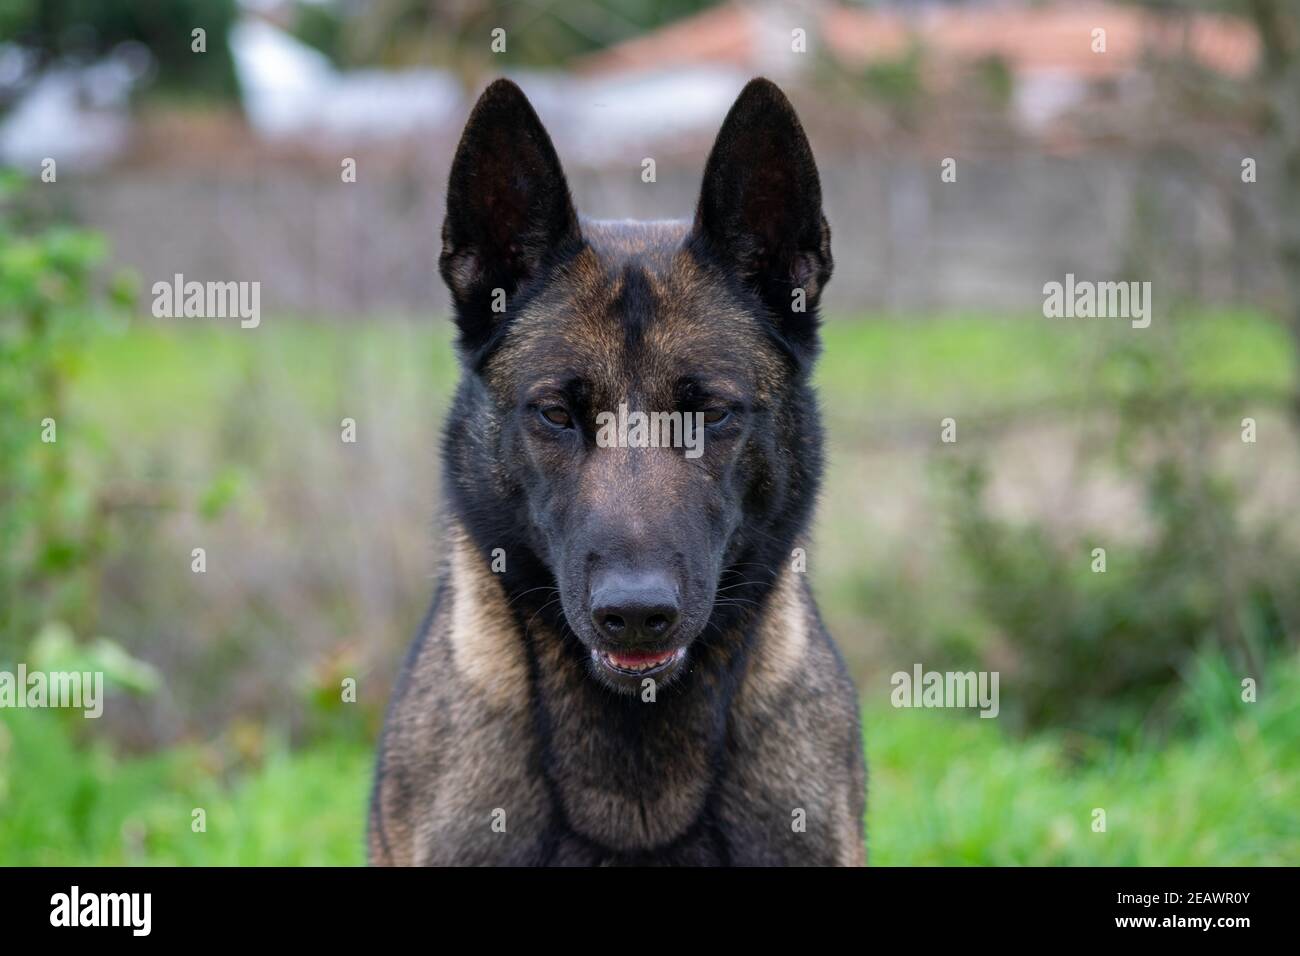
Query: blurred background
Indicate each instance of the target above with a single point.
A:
(1164, 149)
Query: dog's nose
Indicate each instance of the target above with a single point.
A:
(635, 608)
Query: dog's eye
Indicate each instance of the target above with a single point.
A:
(556, 415)
(716, 416)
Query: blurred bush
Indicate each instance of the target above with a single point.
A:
(1102, 648)
(1101, 639)
(53, 306)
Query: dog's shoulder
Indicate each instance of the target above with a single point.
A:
(454, 744)
(795, 735)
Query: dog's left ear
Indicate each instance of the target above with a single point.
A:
(760, 210)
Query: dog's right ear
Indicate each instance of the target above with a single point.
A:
(760, 211)
(509, 214)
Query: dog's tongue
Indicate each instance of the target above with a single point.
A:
(638, 658)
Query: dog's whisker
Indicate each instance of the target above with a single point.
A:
(543, 587)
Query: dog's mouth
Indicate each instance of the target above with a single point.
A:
(643, 663)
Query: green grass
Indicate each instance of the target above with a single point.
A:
(178, 372)
(61, 803)
(178, 376)
(944, 790)
(960, 363)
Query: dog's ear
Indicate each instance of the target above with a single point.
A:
(509, 213)
(760, 210)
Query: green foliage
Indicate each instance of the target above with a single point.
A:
(55, 649)
(52, 309)
(895, 82)
(221, 493)
(1085, 643)
(322, 26)
(995, 77)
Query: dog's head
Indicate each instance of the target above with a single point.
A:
(635, 410)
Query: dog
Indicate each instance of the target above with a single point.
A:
(623, 663)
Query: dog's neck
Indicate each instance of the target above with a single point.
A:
(648, 766)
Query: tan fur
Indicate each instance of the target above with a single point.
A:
(783, 642)
(485, 645)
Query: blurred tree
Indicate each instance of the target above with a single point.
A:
(81, 30)
(1270, 100)
(459, 34)
(1277, 22)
